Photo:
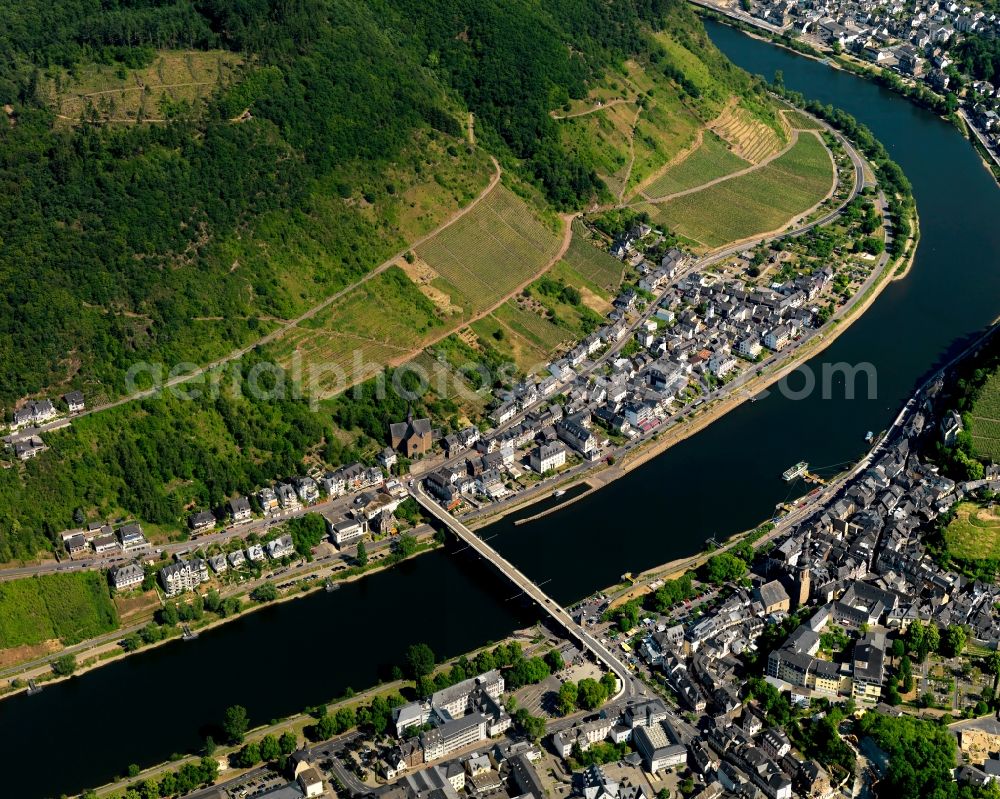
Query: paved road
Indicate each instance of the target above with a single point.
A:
(333, 507)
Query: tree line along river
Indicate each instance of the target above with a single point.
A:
(283, 658)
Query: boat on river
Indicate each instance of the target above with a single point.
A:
(797, 470)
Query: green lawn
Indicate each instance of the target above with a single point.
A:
(974, 534)
(71, 607)
(754, 203)
(711, 160)
(985, 419)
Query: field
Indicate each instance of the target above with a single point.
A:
(985, 419)
(753, 203)
(491, 250)
(974, 534)
(751, 139)
(381, 320)
(118, 94)
(713, 159)
(70, 607)
(596, 267)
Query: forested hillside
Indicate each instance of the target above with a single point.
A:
(116, 237)
(169, 226)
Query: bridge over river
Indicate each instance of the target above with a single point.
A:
(629, 686)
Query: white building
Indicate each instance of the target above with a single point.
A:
(185, 575)
(548, 457)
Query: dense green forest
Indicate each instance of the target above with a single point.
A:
(182, 239)
(116, 238)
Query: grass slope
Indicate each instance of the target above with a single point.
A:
(116, 94)
(974, 533)
(70, 607)
(753, 203)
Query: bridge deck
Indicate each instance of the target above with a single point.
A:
(529, 588)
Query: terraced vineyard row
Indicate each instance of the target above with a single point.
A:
(751, 139)
(593, 264)
(713, 159)
(753, 203)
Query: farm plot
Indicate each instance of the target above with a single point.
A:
(531, 325)
(713, 159)
(596, 266)
(508, 343)
(751, 139)
(753, 203)
(800, 121)
(491, 250)
(985, 420)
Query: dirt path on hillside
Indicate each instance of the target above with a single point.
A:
(594, 110)
(631, 154)
(683, 154)
(277, 333)
(723, 178)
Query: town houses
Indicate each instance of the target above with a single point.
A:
(914, 40)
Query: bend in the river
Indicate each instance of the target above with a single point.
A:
(724, 479)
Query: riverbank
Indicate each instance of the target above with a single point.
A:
(533, 641)
(107, 649)
(702, 417)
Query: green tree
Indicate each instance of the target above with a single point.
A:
(362, 556)
(213, 602)
(64, 666)
(532, 726)
(248, 756)
(567, 698)
(419, 660)
(235, 723)
(992, 666)
(724, 567)
(287, 743)
(590, 694)
(269, 750)
(131, 642)
(953, 640)
(267, 592)
(554, 660)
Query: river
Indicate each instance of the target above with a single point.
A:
(726, 478)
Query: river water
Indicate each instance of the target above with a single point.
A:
(727, 478)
